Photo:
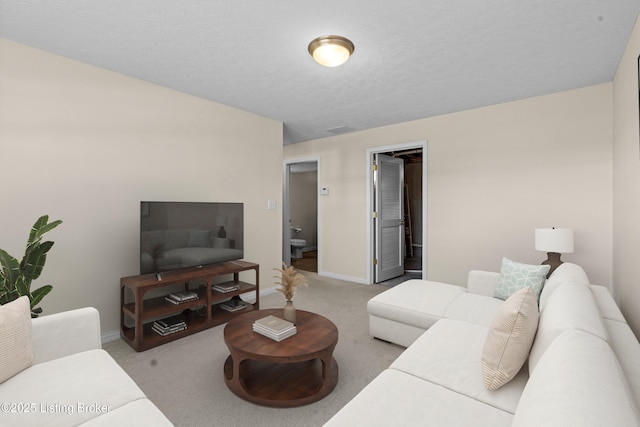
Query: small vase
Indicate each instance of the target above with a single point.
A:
(290, 312)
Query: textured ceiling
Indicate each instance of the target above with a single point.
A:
(413, 58)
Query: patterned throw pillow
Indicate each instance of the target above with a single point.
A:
(515, 276)
(509, 338)
(16, 351)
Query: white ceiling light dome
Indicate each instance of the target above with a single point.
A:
(331, 51)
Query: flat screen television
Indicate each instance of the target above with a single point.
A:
(175, 235)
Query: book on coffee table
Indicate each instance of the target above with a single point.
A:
(275, 328)
(273, 336)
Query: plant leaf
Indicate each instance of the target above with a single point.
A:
(22, 286)
(33, 262)
(40, 227)
(35, 234)
(38, 294)
(16, 278)
(8, 296)
(9, 271)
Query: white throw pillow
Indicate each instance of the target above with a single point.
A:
(515, 276)
(16, 351)
(509, 339)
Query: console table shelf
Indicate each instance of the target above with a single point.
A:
(200, 314)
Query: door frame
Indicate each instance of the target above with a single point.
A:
(286, 208)
(370, 202)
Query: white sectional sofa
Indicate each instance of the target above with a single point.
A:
(583, 368)
(71, 381)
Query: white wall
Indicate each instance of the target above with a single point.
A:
(494, 175)
(626, 183)
(86, 145)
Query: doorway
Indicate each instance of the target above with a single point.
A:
(300, 215)
(398, 253)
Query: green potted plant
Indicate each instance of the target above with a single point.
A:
(16, 277)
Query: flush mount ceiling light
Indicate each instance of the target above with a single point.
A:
(331, 51)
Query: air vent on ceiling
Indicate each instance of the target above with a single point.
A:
(340, 130)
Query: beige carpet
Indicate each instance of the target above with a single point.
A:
(184, 378)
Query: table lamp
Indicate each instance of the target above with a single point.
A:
(554, 241)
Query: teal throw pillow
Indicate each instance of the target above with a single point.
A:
(515, 276)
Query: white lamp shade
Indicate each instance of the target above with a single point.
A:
(559, 240)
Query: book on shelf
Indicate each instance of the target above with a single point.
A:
(275, 328)
(169, 325)
(176, 302)
(167, 331)
(172, 321)
(181, 297)
(226, 287)
(233, 305)
(176, 328)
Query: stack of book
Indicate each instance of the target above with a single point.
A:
(181, 297)
(275, 328)
(233, 304)
(169, 325)
(226, 287)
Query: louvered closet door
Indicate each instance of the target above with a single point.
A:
(389, 228)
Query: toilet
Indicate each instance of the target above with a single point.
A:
(297, 244)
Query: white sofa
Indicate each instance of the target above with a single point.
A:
(582, 370)
(72, 381)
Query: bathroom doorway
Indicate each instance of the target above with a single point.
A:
(410, 242)
(300, 216)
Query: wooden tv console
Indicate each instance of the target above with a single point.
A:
(137, 317)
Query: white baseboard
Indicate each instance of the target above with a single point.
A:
(264, 292)
(345, 278)
(268, 291)
(110, 336)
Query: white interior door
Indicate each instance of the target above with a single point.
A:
(389, 217)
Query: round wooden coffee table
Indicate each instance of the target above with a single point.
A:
(293, 372)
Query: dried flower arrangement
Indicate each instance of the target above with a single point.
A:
(289, 279)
